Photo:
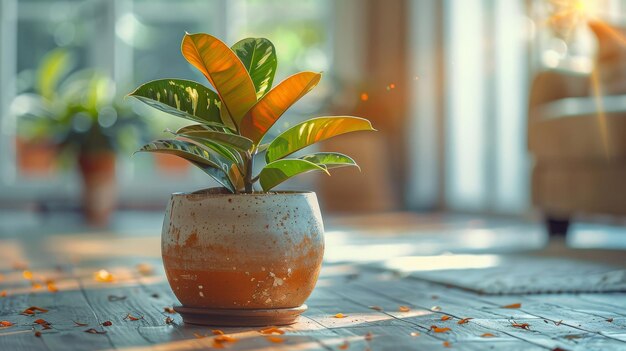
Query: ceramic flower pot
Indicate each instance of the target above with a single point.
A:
(246, 259)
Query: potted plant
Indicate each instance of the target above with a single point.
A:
(79, 115)
(242, 254)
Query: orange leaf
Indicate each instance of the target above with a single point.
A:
(131, 318)
(169, 310)
(525, 326)
(33, 309)
(104, 276)
(436, 329)
(38, 334)
(344, 346)
(487, 335)
(6, 324)
(445, 318)
(340, 315)
(404, 309)
(107, 323)
(41, 321)
(513, 305)
(268, 110)
(217, 332)
(464, 320)
(28, 275)
(221, 66)
(275, 339)
(272, 330)
(224, 338)
(52, 287)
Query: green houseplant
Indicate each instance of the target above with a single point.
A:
(78, 114)
(239, 254)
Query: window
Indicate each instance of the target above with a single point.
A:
(135, 41)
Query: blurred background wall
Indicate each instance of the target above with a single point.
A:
(445, 82)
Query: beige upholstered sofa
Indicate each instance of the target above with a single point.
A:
(579, 156)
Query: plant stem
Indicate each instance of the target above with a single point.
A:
(247, 180)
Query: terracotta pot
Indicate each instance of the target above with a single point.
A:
(242, 252)
(99, 186)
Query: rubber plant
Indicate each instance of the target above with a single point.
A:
(238, 255)
(232, 122)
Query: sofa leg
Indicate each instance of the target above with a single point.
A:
(557, 226)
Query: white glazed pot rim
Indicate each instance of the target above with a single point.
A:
(221, 192)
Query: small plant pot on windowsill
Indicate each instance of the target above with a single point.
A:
(99, 193)
(245, 259)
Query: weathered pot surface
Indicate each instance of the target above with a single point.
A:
(244, 251)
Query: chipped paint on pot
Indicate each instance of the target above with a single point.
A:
(245, 251)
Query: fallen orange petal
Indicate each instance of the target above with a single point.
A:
(344, 346)
(437, 329)
(377, 308)
(79, 324)
(217, 332)
(169, 310)
(340, 315)
(199, 336)
(107, 323)
(103, 276)
(447, 344)
(364, 97)
(275, 339)
(52, 287)
(3, 293)
(525, 326)
(145, 269)
(41, 321)
(513, 305)
(224, 338)
(445, 318)
(487, 335)
(272, 330)
(404, 309)
(132, 318)
(464, 320)
(369, 336)
(6, 324)
(610, 320)
(169, 320)
(28, 275)
(33, 309)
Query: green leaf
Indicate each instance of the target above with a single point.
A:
(309, 132)
(278, 171)
(223, 150)
(330, 160)
(259, 57)
(54, 66)
(233, 140)
(182, 98)
(212, 164)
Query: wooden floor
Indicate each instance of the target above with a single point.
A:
(381, 310)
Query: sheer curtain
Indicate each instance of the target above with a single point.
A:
(470, 58)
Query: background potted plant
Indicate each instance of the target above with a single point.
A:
(78, 114)
(242, 254)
